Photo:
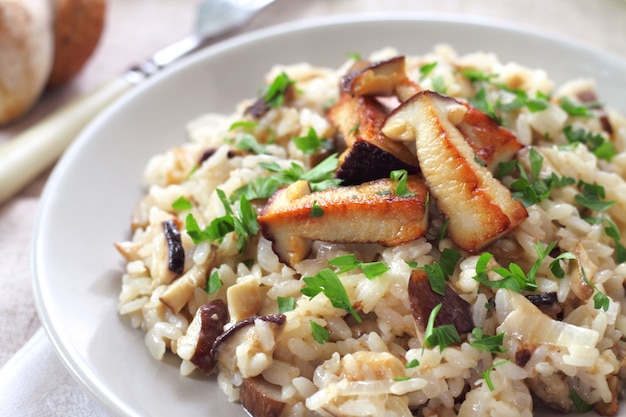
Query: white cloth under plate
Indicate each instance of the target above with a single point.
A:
(34, 383)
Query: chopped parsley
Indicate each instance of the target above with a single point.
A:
(354, 55)
(412, 364)
(581, 405)
(310, 143)
(600, 300)
(426, 69)
(319, 178)
(320, 334)
(487, 374)
(595, 142)
(401, 176)
(349, 262)
(442, 336)
(487, 343)
(286, 304)
(214, 282)
(274, 94)
(243, 124)
(439, 272)
(354, 129)
(614, 233)
(244, 224)
(327, 282)
(592, 197)
(573, 109)
(316, 211)
(249, 143)
(181, 204)
(532, 189)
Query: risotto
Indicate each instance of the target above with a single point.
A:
(440, 234)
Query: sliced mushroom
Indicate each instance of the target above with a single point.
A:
(227, 342)
(582, 273)
(383, 78)
(179, 292)
(490, 142)
(368, 213)
(552, 390)
(479, 208)
(612, 407)
(211, 319)
(548, 303)
(260, 398)
(454, 309)
(369, 154)
(175, 250)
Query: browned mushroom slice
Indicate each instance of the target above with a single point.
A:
(213, 317)
(479, 208)
(382, 78)
(260, 398)
(368, 213)
(548, 303)
(454, 309)
(490, 142)
(226, 343)
(369, 154)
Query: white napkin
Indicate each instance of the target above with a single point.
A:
(35, 383)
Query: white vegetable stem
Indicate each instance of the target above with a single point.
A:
(28, 154)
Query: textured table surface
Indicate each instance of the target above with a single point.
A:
(136, 28)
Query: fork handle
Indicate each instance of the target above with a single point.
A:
(31, 152)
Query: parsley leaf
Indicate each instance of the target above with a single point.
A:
(426, 69)
(573, 109)
(487, 343)
(614, 233)
(286, 304)
(595, 142)
(487, 374)
(181, 204)
(349, 262)
(316, 211)
(412, 364)
(327, 282)
(274, 95)
(250, 143)
(592, 196)
(442, 336)
(579, 403)
(320, 334)
(310, 143)
(214, 282)
(401, 176)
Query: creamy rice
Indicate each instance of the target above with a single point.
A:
(382, 366)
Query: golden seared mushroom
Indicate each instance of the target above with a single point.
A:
(369, 154)
(479, 208)
(490, 142)
(371, 212)
(383, 78)
(454, 309)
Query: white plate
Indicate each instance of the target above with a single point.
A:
(88, 200)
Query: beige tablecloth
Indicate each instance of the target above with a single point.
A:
(134, 29)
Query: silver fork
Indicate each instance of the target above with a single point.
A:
(28, 154)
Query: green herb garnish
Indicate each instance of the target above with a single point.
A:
(316, 211)
(214, 282)
(442, 336)
(401, 176)
(181, 204)
(487, 343)
(327, 282)
(286, 304)
(274, 95)
(320, 334)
